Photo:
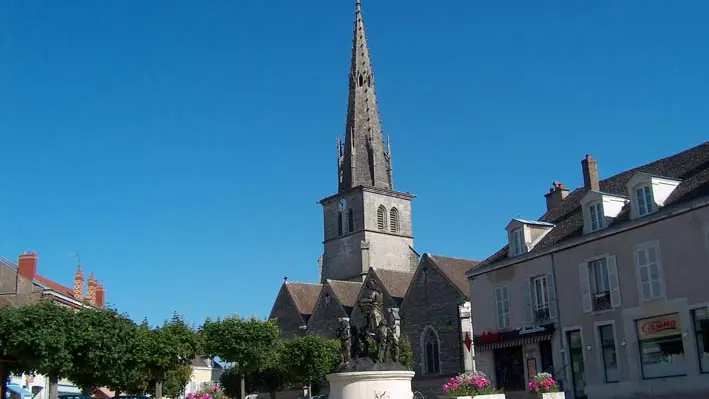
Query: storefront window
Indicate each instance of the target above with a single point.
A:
(610, 358)
(661, 347)
(701, 331)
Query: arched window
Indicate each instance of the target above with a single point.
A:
(339, 223)
(350, 220)
(431, 358)
(381, 218)
(394, 220)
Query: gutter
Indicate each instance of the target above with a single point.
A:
(633, 224)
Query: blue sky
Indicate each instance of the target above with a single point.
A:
(181, 147)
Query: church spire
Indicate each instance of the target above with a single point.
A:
(363, 158)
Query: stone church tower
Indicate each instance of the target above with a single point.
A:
(367, 223)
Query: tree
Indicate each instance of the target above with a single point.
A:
(105, 343)
(175, 382)
(273, 377)
(166, 349)
(8, 362)
(245, 343)
(309, 359)
(42, 341)
(406, 356)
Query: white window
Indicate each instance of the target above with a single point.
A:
(502, 304)
(643, 196)
(649, 271)
(599, 284)
(517, 242)
(540, 298)
(596, 211)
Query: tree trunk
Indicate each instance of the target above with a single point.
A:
(53, 387)
(4, 375)
(310, 392)
(273, 394)
(158, 388)
(243, 386)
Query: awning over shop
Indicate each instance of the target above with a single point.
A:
(508, 339)
(19, 390)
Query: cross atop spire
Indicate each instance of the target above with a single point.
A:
(363, 158)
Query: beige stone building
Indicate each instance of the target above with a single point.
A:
(608, 290)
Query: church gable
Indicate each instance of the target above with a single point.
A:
(294, 305)
(390, 283)
(328, 309)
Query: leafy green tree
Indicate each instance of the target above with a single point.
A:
(175, 382)
(309, 359)
(273, 377)
(8, 362)
(105, 344)
(230, 381)
(166, 349)
(42, 341)
(245, 343)
(406, 356)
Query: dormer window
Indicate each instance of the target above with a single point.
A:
(517, 243)
(525, 234)
(649, 193)
(643, 196)
(599, 209)
(596, 211)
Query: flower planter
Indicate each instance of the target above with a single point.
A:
(553, 395)
(490, 396)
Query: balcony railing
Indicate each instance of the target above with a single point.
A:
(541, 314)
(602, 300)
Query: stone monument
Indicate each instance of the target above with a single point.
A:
(370, 366)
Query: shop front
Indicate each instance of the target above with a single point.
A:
(516, 355)
(661, 345)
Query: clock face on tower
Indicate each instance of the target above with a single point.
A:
(343, 204)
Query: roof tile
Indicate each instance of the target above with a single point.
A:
(304, 295)
(345, 291)
(396, 283)
(455, 269)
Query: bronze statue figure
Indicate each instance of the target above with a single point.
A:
(345, 335)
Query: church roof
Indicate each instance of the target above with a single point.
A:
(304, 295)
(395, 282)
(454, 269)
(345, 291)
(690, 166)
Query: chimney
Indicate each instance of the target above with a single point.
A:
(590, 173)
(556, 194)
(91, 295)
(27, 265)
(100, 296)
(79, 284)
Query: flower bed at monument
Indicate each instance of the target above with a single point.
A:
(545, 386)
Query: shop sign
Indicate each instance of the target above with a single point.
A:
(661, 326)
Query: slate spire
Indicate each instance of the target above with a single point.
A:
(363, 159)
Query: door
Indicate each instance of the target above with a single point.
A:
(546, 355)
(509, 369)
(578, 375)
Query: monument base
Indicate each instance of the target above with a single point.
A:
(393, 384)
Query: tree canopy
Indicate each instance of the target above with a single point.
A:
(310, 358)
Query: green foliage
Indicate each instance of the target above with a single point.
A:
(175, 382)
(41, 338)
(165, 349)
(105, 344)
(246, 343)
(309, 358)
(273, 377)
(406, 356)
(230, 381)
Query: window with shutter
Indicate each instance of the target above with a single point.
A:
(502, 307)
(394, 220)
(586, 300)
(649, 272)
(381, 218)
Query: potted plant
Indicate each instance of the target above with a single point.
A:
(545, 386)
(207, 393)
(472, 385)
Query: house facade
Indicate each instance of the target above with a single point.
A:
(606, 291)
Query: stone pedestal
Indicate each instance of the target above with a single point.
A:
(371, 385)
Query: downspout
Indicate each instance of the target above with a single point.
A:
(558, 317)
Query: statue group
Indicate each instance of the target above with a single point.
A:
(383, 330)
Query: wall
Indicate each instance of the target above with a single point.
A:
(323, 322)
(289, 319)
(684, 254)
(432, 302)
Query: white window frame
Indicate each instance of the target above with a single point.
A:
(517, 241)
(644, 247)
(595, 212)
(644, 199)
(585, 270)
(544, 283)
(502, 298)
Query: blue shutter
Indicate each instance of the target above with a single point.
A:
(551, 287)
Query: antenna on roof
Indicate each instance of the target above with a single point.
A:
(77, 256)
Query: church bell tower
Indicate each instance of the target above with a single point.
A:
(367, 223)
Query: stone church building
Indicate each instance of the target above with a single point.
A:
(368, 235)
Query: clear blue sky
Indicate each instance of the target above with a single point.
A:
(181, 147)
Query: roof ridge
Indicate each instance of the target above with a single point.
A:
(452, 257)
